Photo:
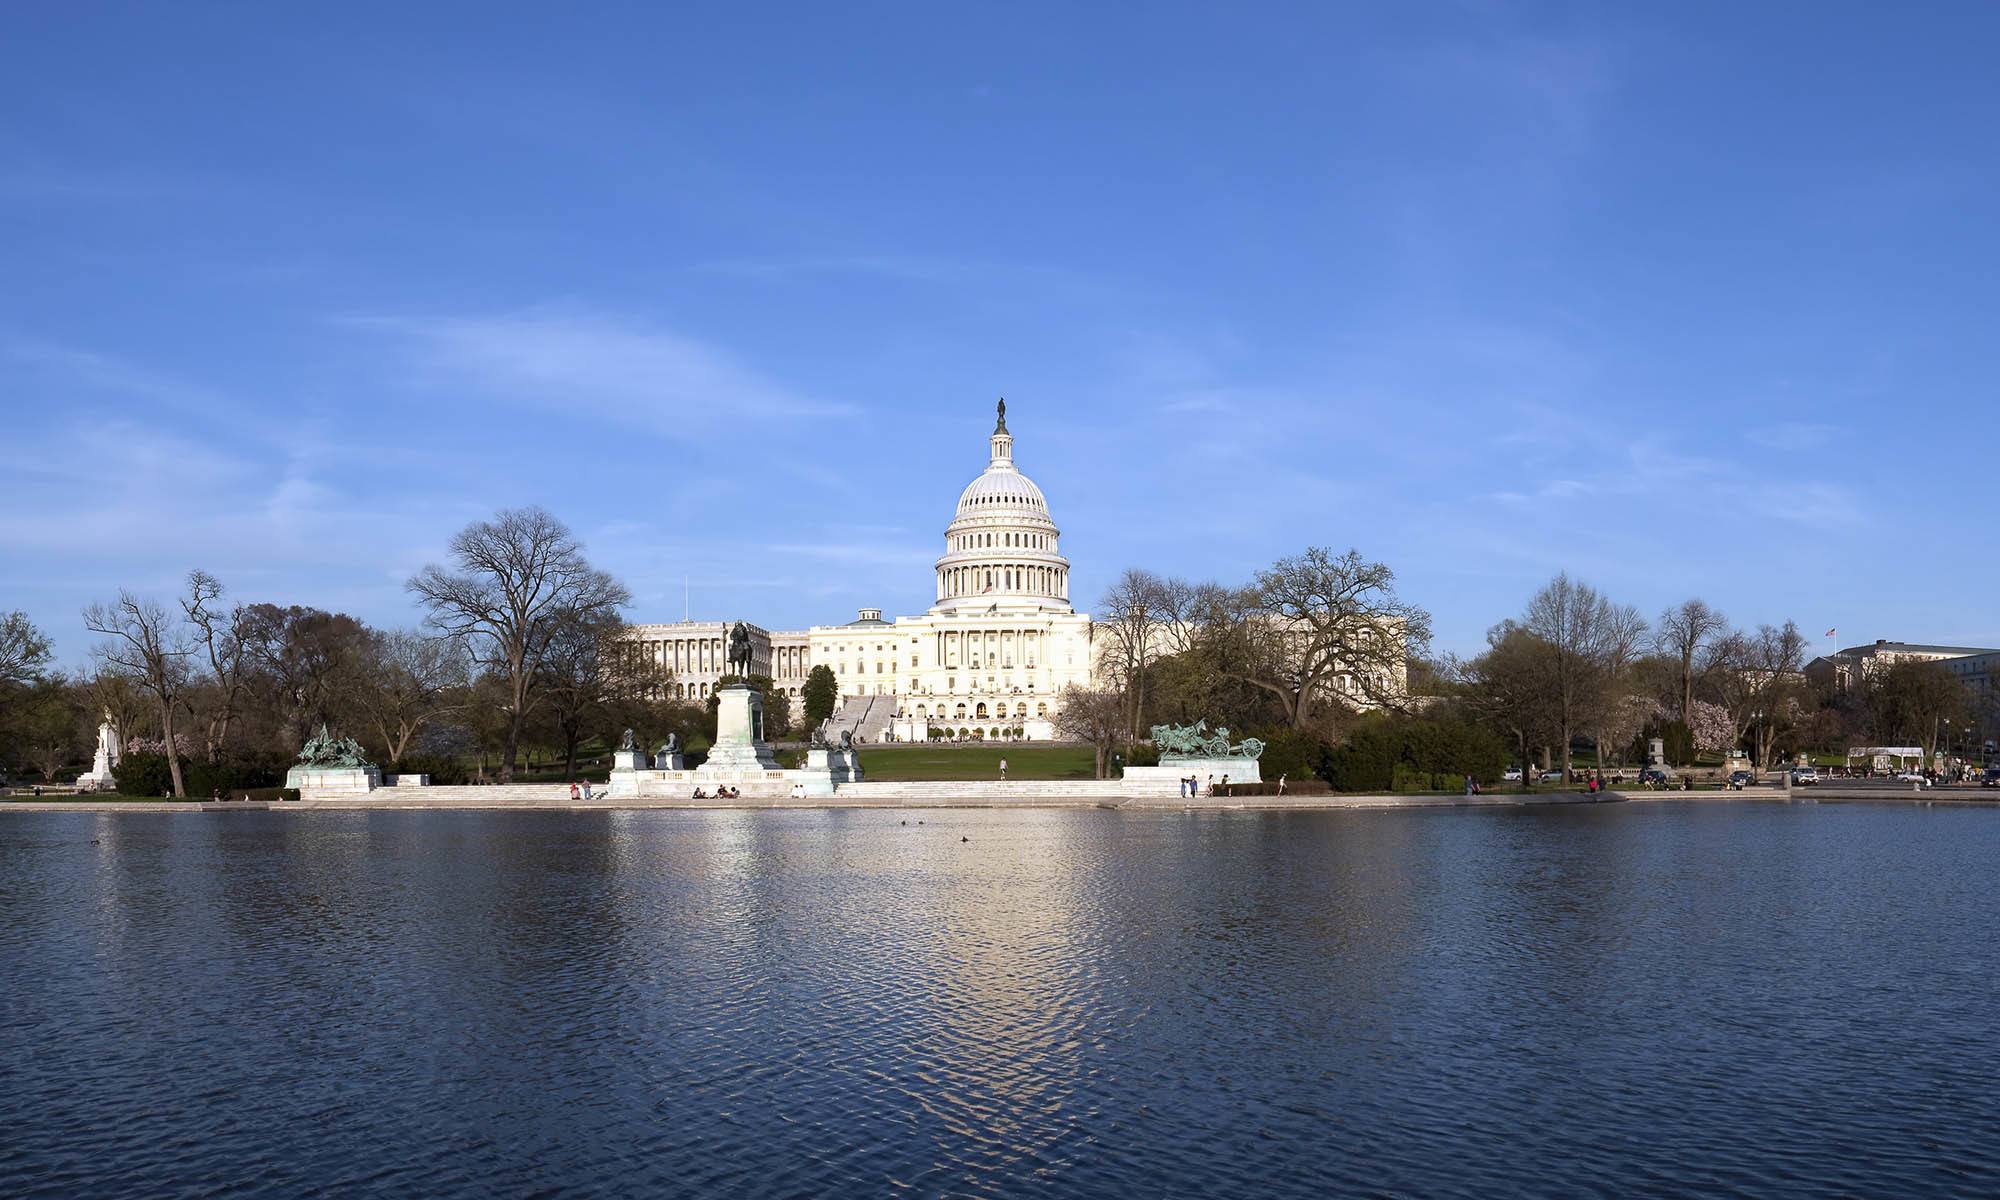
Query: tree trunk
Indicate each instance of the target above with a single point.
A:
(1567, 737)
(511, 753)
(173, 752)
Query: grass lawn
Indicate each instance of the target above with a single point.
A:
(896, 764)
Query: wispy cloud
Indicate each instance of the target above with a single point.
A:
(1793, 435)
(102, 372)
(628, 372)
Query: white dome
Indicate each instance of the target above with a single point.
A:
(1001, 548)
(999, 489)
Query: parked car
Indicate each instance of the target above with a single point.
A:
(1991, 778)
(1802, 776)
(1552, 776)
(1653, 775)
(1742, 779)
(1511, 775)
(1916, 777)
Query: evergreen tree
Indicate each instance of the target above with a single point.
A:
(822, 692)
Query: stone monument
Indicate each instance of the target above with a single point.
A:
(739, 732)
(1195, 750)
(331, 766)
(669, 757)
(104, 763)
(628, 756)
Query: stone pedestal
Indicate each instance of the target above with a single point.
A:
(739, 735)
(672, 760)
(628, 760)
(1207, 772)
(316, 782)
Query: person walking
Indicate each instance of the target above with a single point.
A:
(586, 789)
(1208, 788)
(1003, 769)
(1281, 783)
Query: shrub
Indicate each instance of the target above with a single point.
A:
(1145, 754)
(230, 776)
(441, 768)
(1366, 762)
(1414, 754)
(145, 773)
(1293, 753)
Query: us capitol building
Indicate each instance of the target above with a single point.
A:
(997, 645)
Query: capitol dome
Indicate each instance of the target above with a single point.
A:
(1001, 546)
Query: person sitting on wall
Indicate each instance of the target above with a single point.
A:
(699, 794)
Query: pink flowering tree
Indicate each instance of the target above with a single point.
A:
(1711, 726)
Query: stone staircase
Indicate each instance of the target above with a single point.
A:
(1011, 793)
(866, 717)
(502, 795)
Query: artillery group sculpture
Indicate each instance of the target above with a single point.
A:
(1196, 741)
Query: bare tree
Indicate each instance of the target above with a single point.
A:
(222, 642)
(1318, 629)
(146, 643)
(519, 577)
(1913, 700)
(24, 650)
(1180, 612)
(407, 681)
(114, 696)
(1094, 716)
(310, 662)
(1585, 640)
(1128, 619)
(1684, 632)
(1621, 632)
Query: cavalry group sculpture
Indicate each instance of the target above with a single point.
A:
(325, 750)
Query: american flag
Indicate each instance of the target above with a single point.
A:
(1829, 633)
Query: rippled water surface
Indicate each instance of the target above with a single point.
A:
(1630, 999)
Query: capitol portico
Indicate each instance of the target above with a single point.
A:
(999, 641)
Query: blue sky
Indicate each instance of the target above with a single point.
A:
(1685, 299)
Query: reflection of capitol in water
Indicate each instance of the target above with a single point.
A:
(999, 641)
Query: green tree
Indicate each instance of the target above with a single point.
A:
(45, 726)
(822, 692)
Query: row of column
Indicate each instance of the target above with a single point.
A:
(1012, 648)
(788, 661)
(1013, 578)
(690, 655)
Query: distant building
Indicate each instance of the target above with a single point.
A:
(1845, 669)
